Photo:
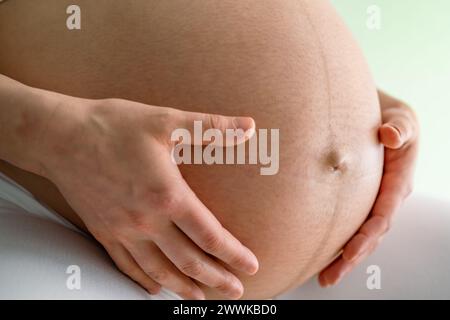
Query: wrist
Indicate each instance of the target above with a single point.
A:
(54, 132)
(21, 114)
(62, 132)
(35, 124)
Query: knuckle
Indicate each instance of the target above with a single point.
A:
(142, 226)
(176, 214)
(216, 121)
(222, 286)
(192, 268)
(130, 270)
(165, 121)
(411, 114)
(153, 288)
(386, 226)
(136, 224)
(103, 238)
(169, 114)
(159, 275)
(140, 223)
(166, 116)
(238, 261)
(167, 200)
(373, 248)
(408, 190)
(187, 290)
(226, 285)
(172, 118)
(379, 225)
(212, 242)
(120, 235)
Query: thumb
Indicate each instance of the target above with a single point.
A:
(226, 130)
(395, 133)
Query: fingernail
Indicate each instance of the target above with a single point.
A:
(249, 133)
(245, 123)
(323, 281)
(397, 131)
(237, 290)
(342, 274)
(253, 265)
(339, 278)
(198, 294)
(355, 256)
(395, 128)
(153, 291)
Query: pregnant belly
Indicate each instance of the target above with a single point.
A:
(292, 65)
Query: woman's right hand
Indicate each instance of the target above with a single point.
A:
(111, 159)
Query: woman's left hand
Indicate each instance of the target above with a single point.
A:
(399, 134)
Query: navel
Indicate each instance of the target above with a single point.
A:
(336, 161)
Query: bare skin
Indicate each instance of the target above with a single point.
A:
(148, 209)
(400, 136)
(276, 66)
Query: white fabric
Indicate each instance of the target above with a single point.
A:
(37, 246)
(14, 193)
(414, 259)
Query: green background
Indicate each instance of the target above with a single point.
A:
(410, 58)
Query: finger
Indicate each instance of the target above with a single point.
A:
(233, 130)
(199, 224)
(356, 246)
(330, 276)
(125, 263)
(334, 273)
(387, 204)
(378, 224)
(393, 190)
(398, 175)
(194, 263)
(399, 114)
(396, 133)
(390, 136)
(373, 229)
(389, 201)
(156, 265)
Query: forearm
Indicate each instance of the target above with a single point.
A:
(26, 115)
